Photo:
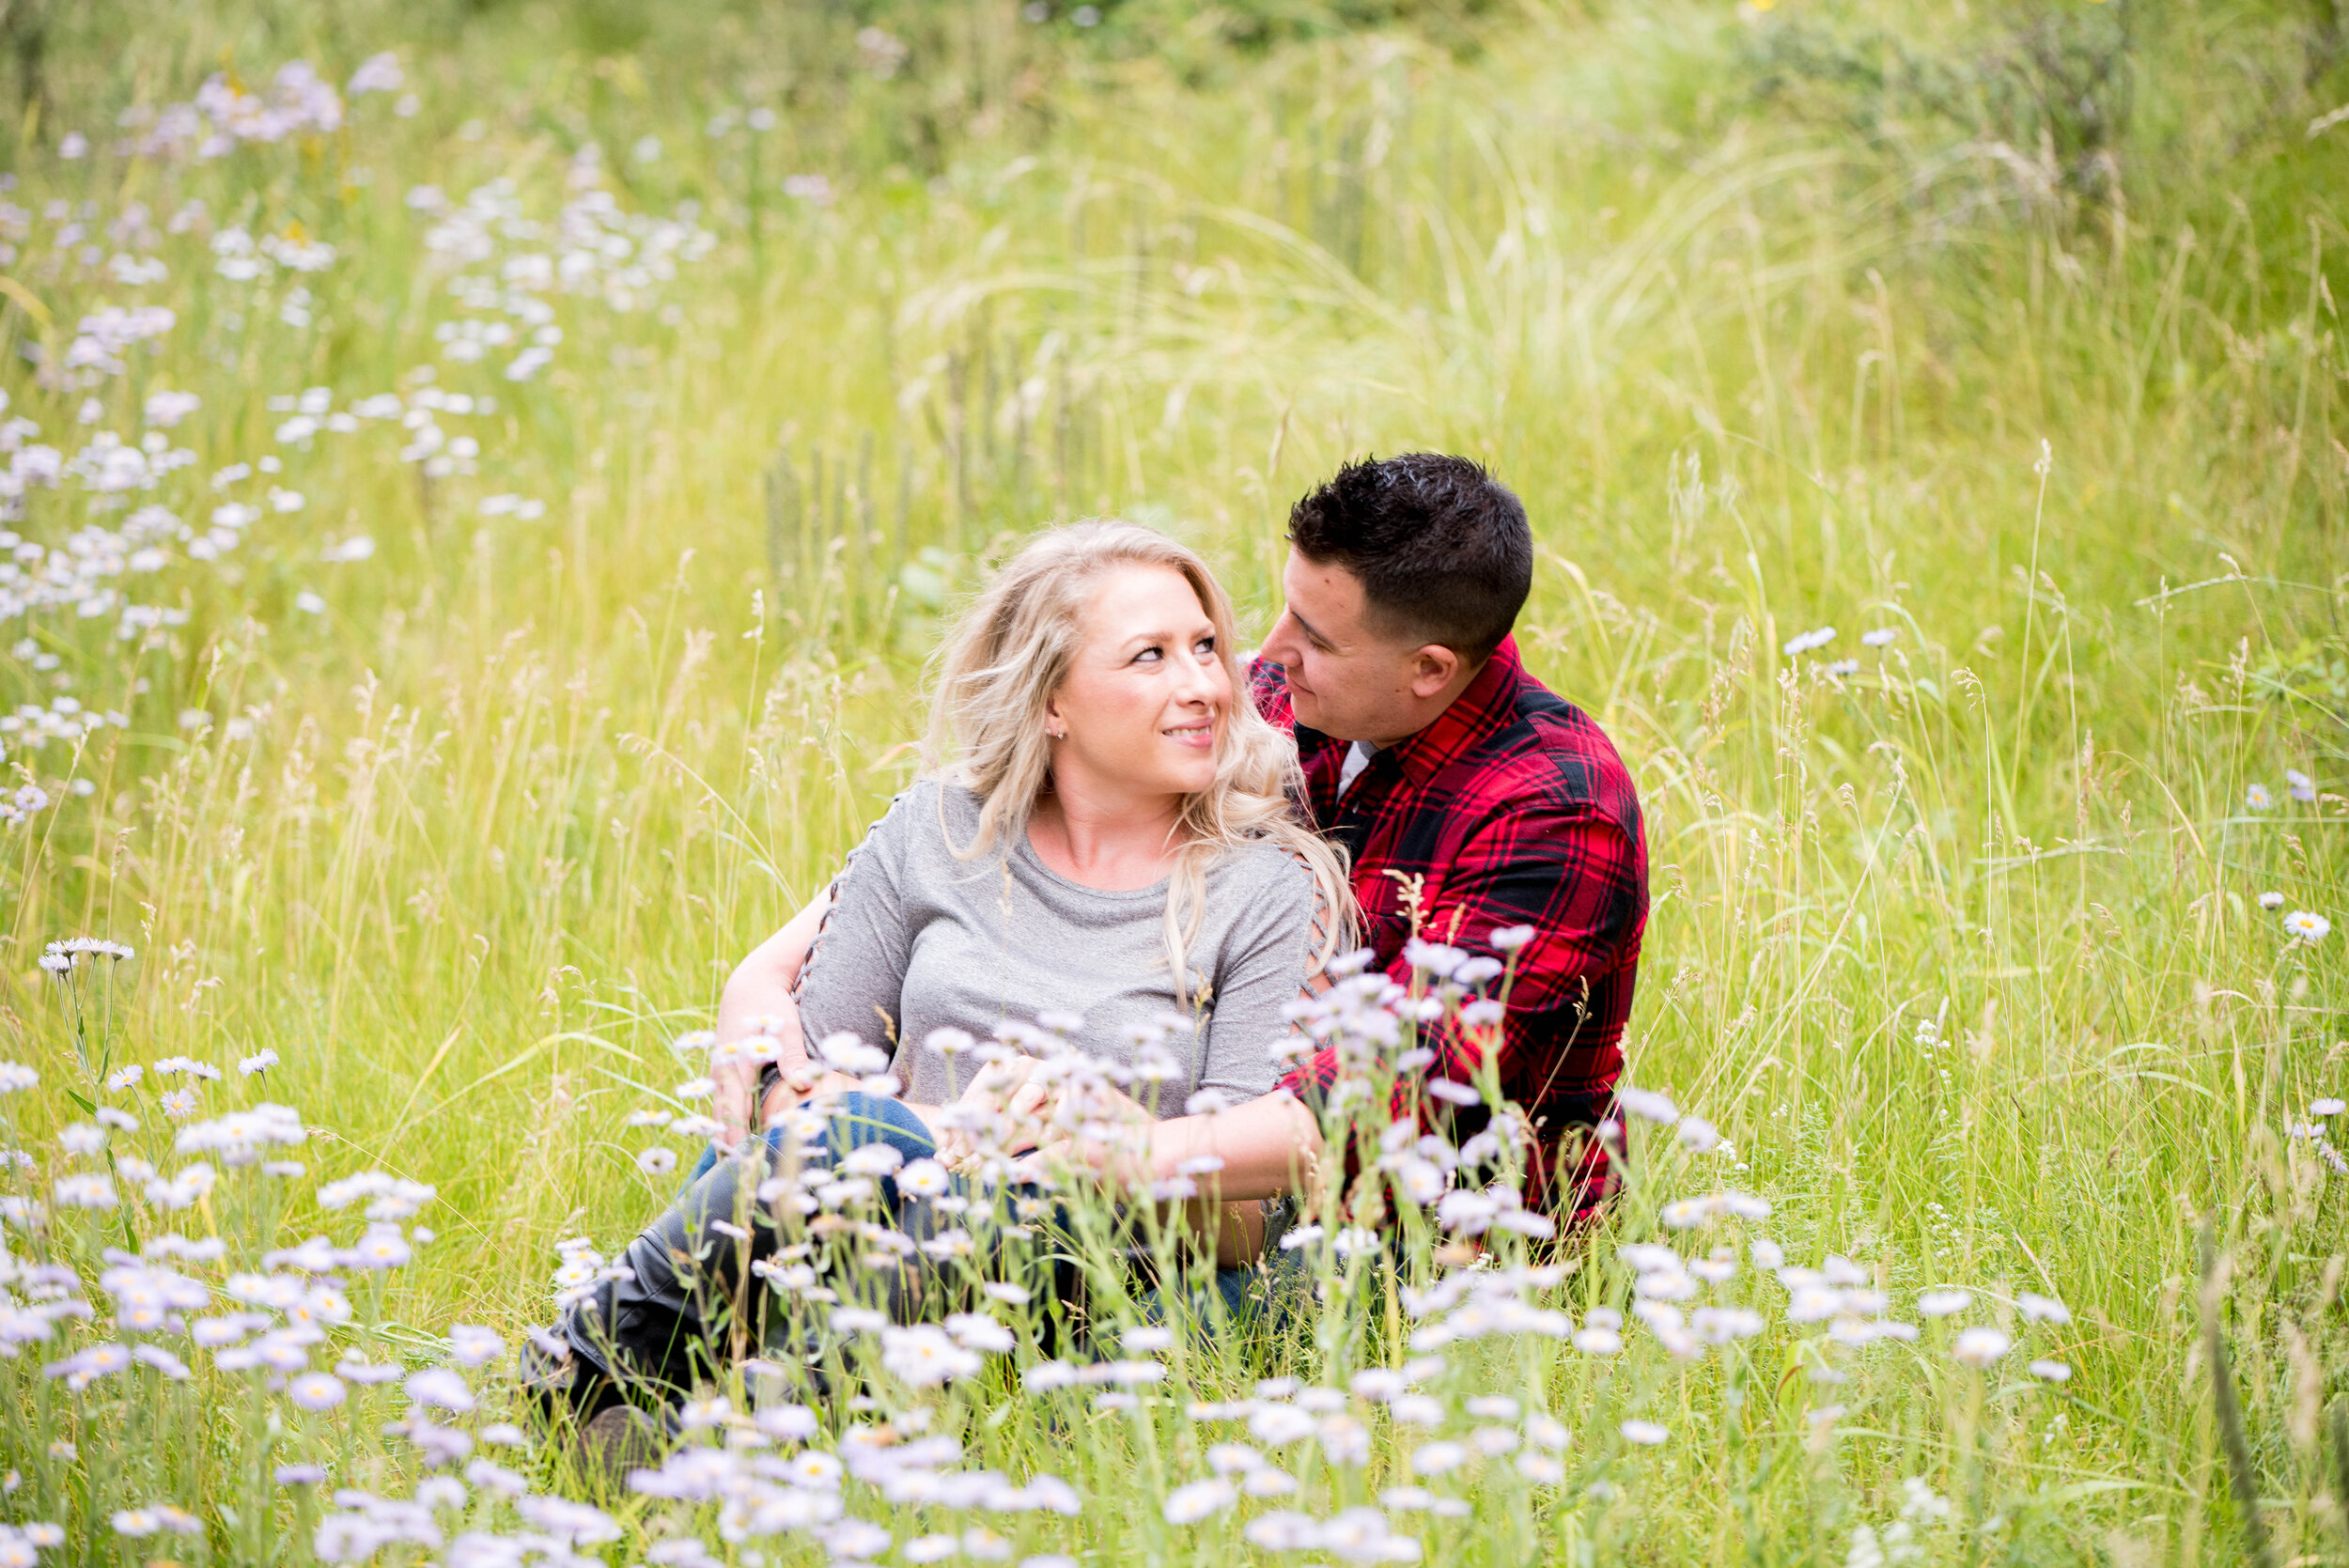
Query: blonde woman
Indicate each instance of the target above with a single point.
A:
(1103, 831)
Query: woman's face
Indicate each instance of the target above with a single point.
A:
(1146, 697)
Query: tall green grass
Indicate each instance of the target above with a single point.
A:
(1758, 361)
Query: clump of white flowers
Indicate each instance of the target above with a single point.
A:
(63, 957)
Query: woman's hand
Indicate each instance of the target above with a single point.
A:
(1104, 1135)
(1004, 1096)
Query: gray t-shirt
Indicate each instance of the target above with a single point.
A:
(919, 939)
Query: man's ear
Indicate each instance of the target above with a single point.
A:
(1432, 669)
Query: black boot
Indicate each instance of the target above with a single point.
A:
(564, 1385)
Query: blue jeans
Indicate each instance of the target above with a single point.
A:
(859, 1119)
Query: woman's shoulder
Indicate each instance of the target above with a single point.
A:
(932, 792)
(927, 813)
(1282, 896)
(1263, 868)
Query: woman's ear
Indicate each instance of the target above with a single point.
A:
(1054, 725)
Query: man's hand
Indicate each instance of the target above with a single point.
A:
(738, 1085)
(737, 1066)
(758, 1001)
(798, 1085)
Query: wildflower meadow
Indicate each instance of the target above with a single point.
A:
(480, 481)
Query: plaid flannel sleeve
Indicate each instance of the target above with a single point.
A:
(1575, 877)
(1268, 689)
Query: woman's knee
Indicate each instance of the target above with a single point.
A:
(859, 1119)
(701, 1168)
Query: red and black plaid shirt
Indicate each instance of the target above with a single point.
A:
(1510, 809)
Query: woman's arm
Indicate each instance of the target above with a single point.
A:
(1269, 1147)
(1265, 963)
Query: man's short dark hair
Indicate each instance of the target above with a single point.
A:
(1441, 548)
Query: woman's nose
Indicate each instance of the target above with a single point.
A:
(1195, 682)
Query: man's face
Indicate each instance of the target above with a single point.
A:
(1346, 678)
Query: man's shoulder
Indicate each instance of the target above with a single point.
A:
(1570, 741)
(1550, 754)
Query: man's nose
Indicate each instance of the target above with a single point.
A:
(1277, 642)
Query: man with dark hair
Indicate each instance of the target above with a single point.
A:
(1472, 799)
(1436, 544)
(1480, 812)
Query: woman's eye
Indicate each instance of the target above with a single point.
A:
(1147, 656)
(1206, 647)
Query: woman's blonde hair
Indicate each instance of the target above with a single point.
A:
(1010, 652)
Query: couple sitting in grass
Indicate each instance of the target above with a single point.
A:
(1154, 850)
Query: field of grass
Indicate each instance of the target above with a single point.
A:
(592, 424)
